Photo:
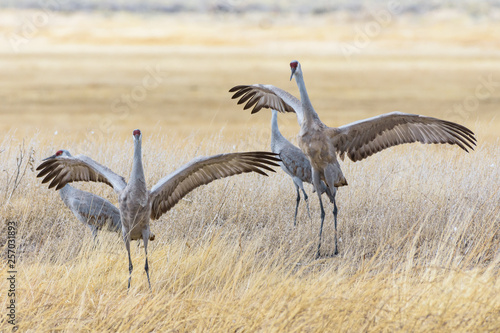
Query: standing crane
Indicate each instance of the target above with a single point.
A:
(95, 212)
(358, 140)
(138, 204)
(294, 163)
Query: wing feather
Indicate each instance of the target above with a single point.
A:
(364, 138)
(266, 96)
(169, 190)
(61, 170)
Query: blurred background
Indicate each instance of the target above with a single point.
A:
(83, 69)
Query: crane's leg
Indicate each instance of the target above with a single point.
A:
(330, 176)
(297, 205)
(145, 239)
(306, 198)
(317, 186)
(299, 185)
(335, 211)
(126, 239)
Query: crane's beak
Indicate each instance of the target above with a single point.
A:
(50, 157)
(293, 72)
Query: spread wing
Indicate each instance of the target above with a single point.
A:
(261, 96)
(203, 170)
(366, 137)
(94, 209)
(61, 170)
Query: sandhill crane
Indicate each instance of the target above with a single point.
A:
(321, 144)
(95, 212)
(137, 204)
(293, 162)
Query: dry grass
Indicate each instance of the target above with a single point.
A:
(419, 225)
(419, 250)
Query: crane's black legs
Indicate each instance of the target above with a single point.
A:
(317, 186)
(306, 198)
(330, 176)
(145, 239)
(297, 206)
(321, 226)
(126, 239)
(299, 186)
(335, 211)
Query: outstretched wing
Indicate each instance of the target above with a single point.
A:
(61, 170)
(366, 137)
(261, 96)
(203, 170)
(93, 209)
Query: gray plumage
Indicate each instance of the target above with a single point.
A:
(95, 212)
(294, 163)
(358, 140)
(92, 210)
(137, 205)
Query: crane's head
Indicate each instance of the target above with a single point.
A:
(294, 66)
(59, 153)
(137, 135)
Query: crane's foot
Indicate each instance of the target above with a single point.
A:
(326, 256)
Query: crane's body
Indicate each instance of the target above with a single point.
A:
(137, 204)
(293, 162)
(322, 144)
(134, 200)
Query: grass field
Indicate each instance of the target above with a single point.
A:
(419, 225)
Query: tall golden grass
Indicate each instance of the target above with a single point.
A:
(419, 248)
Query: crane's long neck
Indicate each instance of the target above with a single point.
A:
(309, 114)
(65, 192)
(137, 178)
(276, 135)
